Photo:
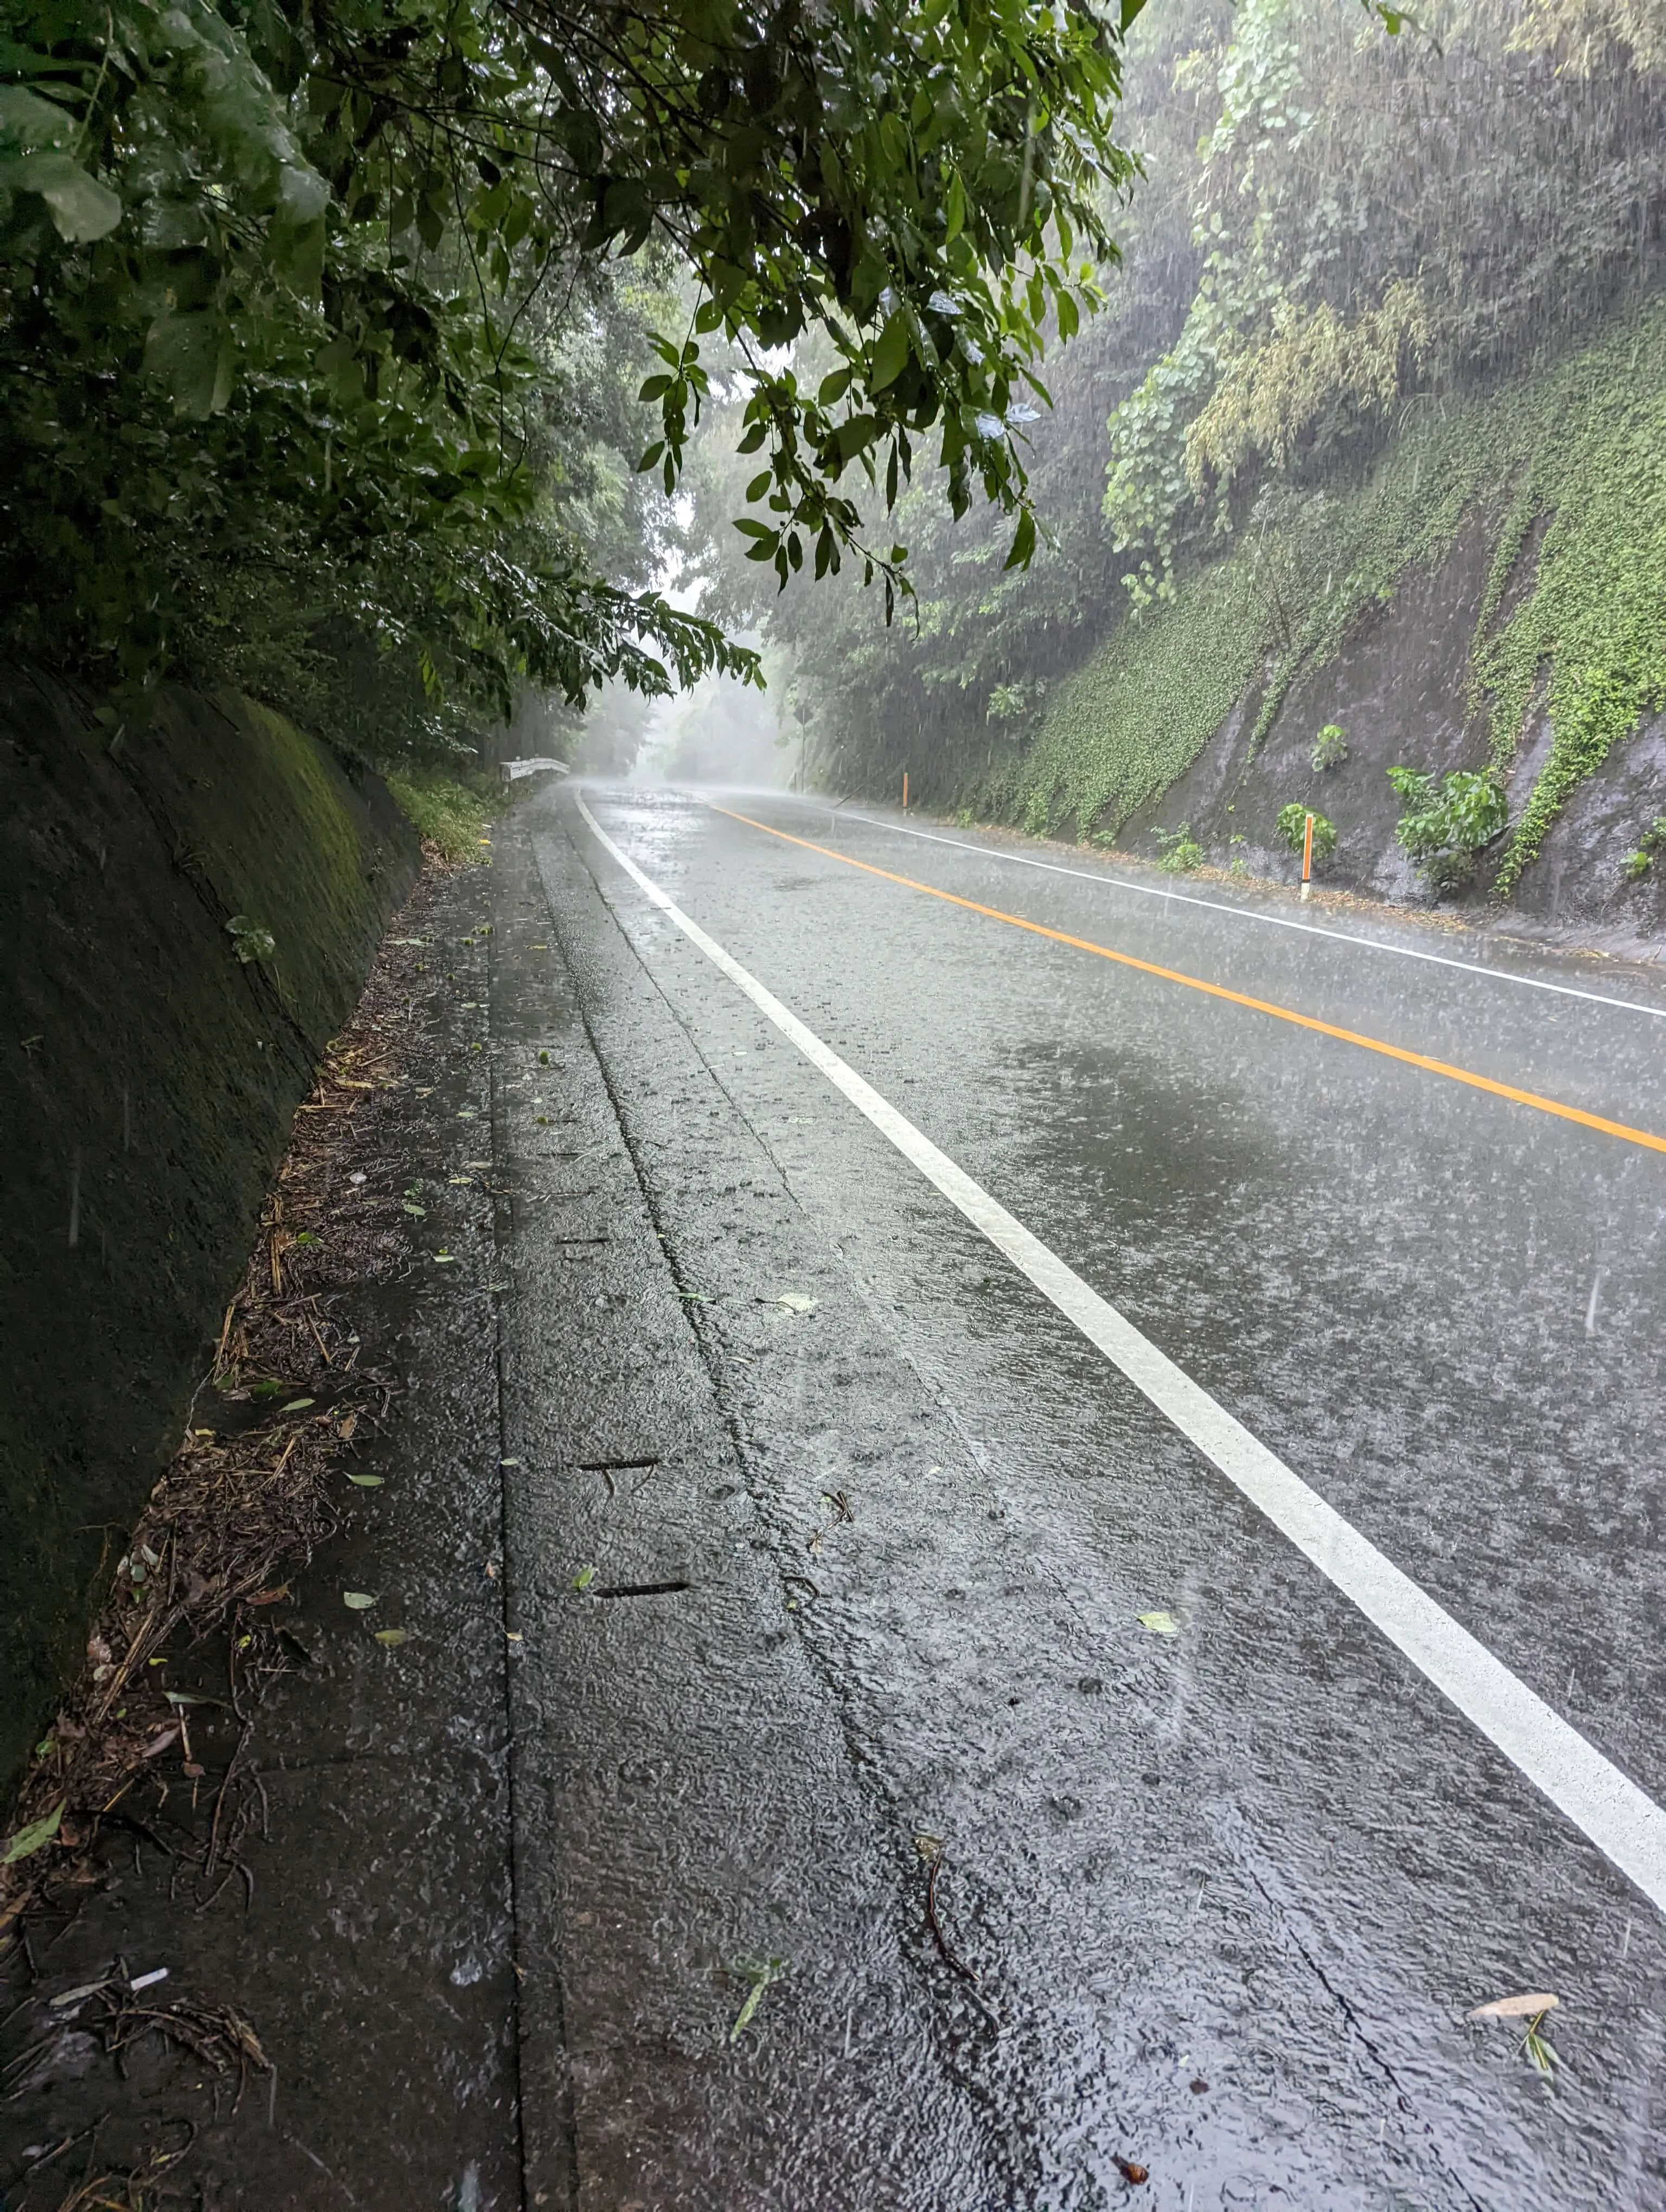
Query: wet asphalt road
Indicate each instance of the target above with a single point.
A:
(1228, 1894)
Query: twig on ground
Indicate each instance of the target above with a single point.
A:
(932, 1850)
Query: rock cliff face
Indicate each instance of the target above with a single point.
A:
(1398, 689)
(148, 1078)
(1489, 594)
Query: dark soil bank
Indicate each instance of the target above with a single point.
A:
(148, 1078)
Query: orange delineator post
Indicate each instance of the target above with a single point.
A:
(905, 791)
(1307, 858)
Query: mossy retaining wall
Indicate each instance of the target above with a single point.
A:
(148, 1081)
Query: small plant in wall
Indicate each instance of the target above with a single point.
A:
(1448, 819)
(248, 940)
(1292, 826)
(1330, 747)
(1180, 850)
(1635, 866)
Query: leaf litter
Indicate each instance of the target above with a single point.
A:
(236, 1511)
(1535, 2007)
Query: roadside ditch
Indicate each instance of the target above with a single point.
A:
(256, 1924)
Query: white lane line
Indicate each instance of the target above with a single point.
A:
(1238, 913)
(1624, 1823)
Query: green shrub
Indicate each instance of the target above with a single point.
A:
(1330, 747)
(1292, 826)
(1448, 819)
(1637, 864)
(1180, 850)
(445, 812)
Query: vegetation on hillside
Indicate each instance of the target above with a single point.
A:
(1580, 442)
(1368, 286)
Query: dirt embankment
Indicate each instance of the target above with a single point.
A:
(152, 1055)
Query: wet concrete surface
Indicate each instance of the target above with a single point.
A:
(763, 1536)
(372, 1949)
(1263, 1855)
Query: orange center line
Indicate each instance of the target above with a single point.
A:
(1234, 998)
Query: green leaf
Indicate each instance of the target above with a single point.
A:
(891, 355)
(760, 1972)
(30, 121)
(366, 1481)
(585, 1576)
(357, 1601)
(29, 1840)
(82, 208)
(1023, 542)
(954, 207)
(191, 355)
(1160, 1623)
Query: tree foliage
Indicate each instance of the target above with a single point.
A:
(303, 307)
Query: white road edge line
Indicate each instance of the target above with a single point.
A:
(1623, 1821)
(1239, 912)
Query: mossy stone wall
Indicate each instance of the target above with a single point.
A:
(148, 1080)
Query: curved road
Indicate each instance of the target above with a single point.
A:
(1090, 1833)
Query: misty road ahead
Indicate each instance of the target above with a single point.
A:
(1132, 1537)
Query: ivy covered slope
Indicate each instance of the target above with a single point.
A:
(1561, 477)
(1383, 305)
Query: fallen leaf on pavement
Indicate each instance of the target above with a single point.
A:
(1522, 2008)
(357, 1601)
(1160, 1623)
(391, 1637)
(797, 1302)
(366, 1481)
(760, 1972)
